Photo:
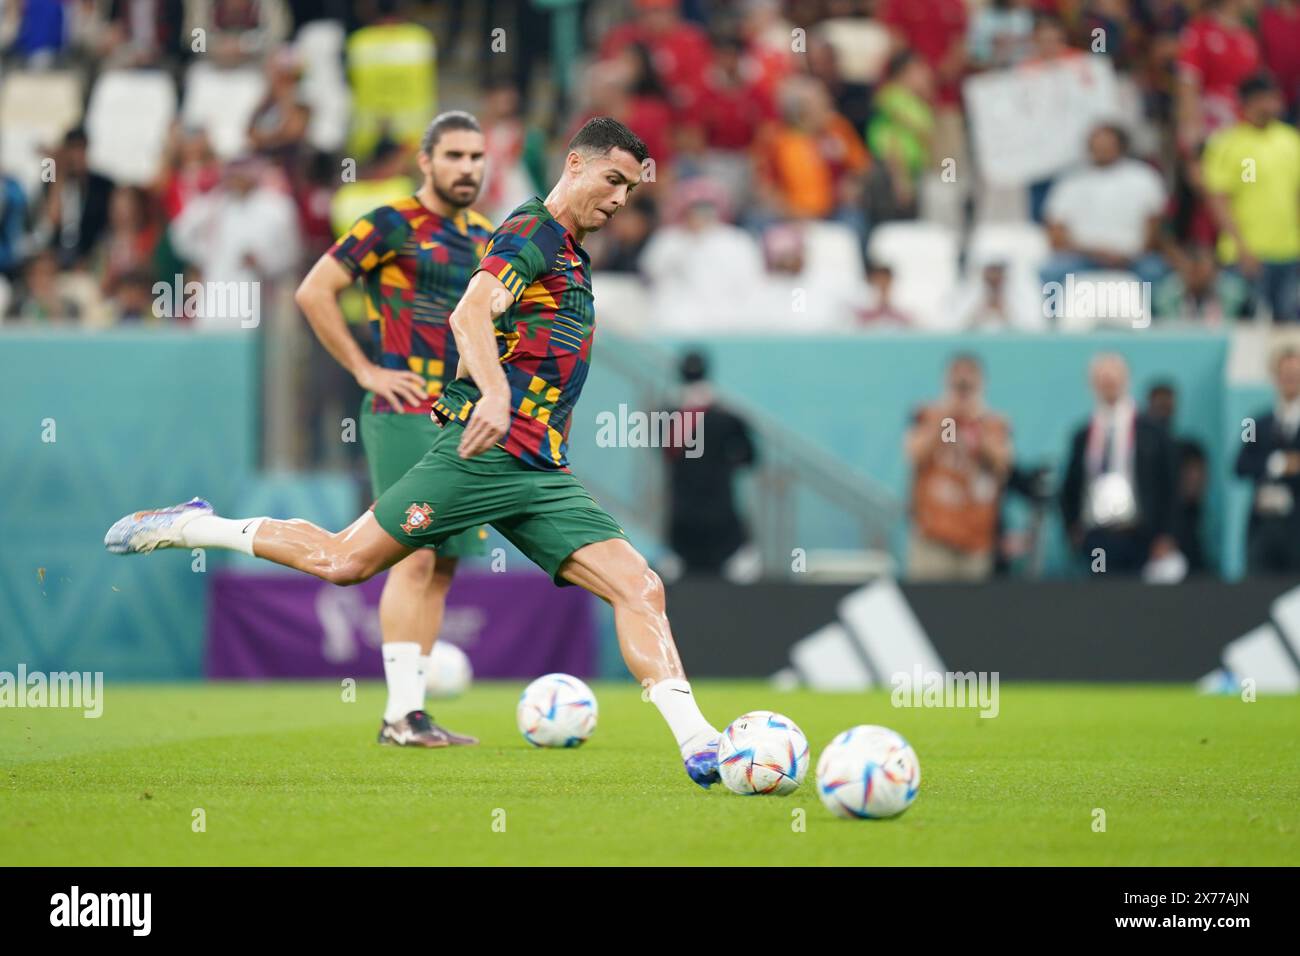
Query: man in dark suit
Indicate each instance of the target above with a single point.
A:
(705, 528)
(1118, 493)
(1270, 457)
(76, 203)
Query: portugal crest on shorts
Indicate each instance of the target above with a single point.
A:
(418, 518)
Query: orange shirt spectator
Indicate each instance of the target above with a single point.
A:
(802, 161)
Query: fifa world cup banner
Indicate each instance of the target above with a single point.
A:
(512, 626)
(1029, 123)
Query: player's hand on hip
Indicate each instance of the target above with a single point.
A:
(397, 387)
(488, 424)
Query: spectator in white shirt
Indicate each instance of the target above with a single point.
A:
(244, 231)
(991, 299)
(704, 270)
(1106, 216)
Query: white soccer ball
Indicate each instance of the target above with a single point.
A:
(449, 673)
(557, 710)
(762, 752)
(868, 772)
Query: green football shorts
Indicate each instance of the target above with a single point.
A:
(394, 444)
(547, 515)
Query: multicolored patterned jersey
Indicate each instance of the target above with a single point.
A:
(544, 340)
(414, 265)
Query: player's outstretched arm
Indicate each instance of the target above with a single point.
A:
(318, 297)
(471, 324)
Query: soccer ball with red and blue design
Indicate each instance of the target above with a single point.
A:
(762, 753)
(556, 710)
(868, 772)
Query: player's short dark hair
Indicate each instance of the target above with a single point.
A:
(1161, 387)
(445, 122)
(600, 134)
(969, 359)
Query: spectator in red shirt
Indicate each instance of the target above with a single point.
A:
(1217, 51)
(735, 106)
(680, 50)
(936, 29)
(1279, 34)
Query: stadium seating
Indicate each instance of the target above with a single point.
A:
(324, 84)
(36, 109)
(127, 122)
(222, 102)
(923, 258)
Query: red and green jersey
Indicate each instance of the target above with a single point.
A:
(544, 340)
(414, 265)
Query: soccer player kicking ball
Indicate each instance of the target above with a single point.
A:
(415, 258)
(500, 455)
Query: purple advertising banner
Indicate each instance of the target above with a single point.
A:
(512, 626)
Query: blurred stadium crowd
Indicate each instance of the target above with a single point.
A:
(841, 145)
(820, 165)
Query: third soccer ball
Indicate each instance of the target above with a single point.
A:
(762, 752)
(557, 710)
(868, 772)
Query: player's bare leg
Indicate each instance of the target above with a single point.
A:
(411, 610)
(355, 554)
(616, 572)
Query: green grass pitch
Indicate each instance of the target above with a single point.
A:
(290, 774)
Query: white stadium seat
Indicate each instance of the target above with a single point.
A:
(36, 109)
(222, 102)
(127, 121)
(324, 83)
(861, 47)
(923, 257)
(1022, 245)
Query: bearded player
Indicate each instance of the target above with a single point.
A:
(500, 455)
(414, 259)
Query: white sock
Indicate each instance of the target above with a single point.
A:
(423, 664)
(401, 660)
(677, 704)
(209, 531)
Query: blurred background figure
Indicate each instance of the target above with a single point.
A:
(277, 130)
(1270, 458)
(1119, 487)
(42, 301)
(1252, 172)
(1191, 477)
(1197, 290)
(1107, 215)
(990, 301)
(242, 231)
(76, 204)
(705, 529)
(882, 313)
(703, 269)
(960, 453)
(13, 227)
